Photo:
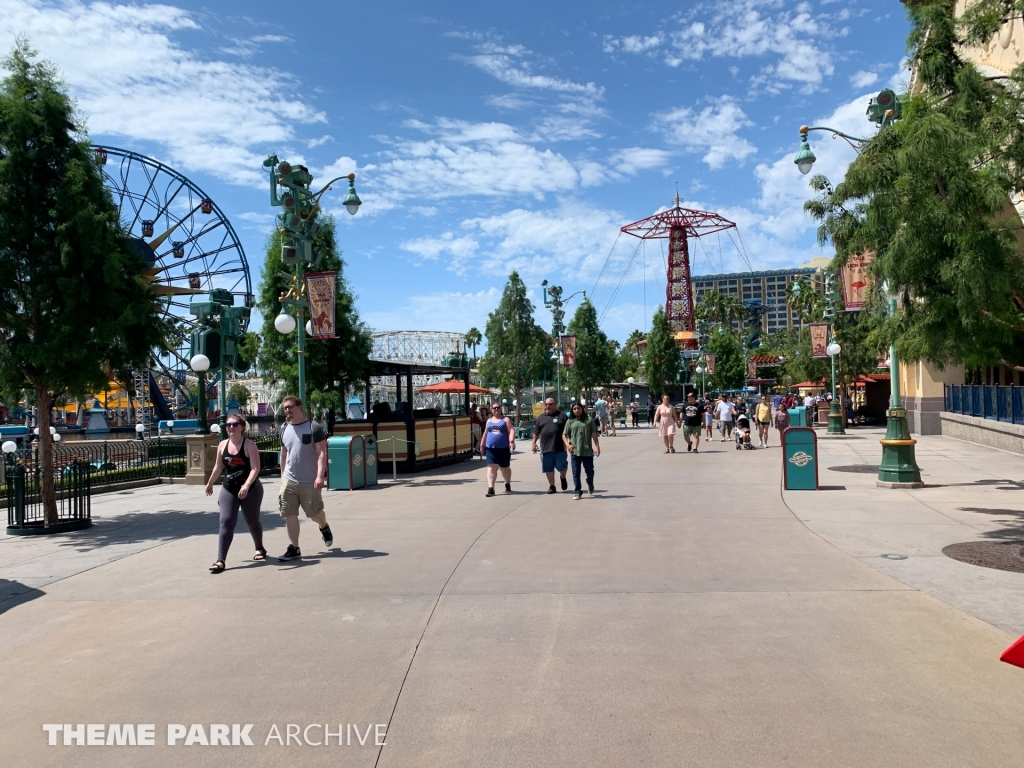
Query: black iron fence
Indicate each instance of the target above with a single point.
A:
(24, 495)
(988, 402)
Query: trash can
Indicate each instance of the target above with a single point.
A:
(800, 459)
(798, 416)
(346, 465)
(370, 464)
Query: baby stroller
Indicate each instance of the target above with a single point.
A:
(742, 433)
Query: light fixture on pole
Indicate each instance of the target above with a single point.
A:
(139, 429)
(630, 381)
(200, 364)
(284, 322)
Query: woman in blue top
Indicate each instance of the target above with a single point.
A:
(498, 442)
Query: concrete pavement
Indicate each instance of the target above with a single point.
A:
(683, 616)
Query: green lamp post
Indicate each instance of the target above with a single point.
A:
(835, 413)
(298, 227)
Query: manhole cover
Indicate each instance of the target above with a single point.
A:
(893, 556)
(1001, 555)
(866, 469)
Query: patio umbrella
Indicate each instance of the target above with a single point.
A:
(452, 386)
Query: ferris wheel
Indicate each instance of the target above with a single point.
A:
(189, 248)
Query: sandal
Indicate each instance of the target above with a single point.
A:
(261, 554)
(217, 567)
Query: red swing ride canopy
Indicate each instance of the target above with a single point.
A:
(678, 225)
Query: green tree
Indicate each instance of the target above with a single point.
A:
(662, 360)
(241, 393)
(332, 365)
(730, 370)
(473, 337)
(595, 358)
(517, 348)
(718, 307)
(72, 304)
(930, 195)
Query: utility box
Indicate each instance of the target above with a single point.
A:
(346, 463)
(370, 462)
(800, 459)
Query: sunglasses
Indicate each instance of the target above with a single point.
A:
(290, 407)
(231, 424)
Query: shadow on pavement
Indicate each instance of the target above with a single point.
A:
(1012, 532)
(164, 525)
(14, 593)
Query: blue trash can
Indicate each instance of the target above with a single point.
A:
(800, 459)
(798, 416)
(346, 463)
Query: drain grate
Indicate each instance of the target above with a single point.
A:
(1001, 555)
(866, 469)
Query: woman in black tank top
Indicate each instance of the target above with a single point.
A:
(239, 460)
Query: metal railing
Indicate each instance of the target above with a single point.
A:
(987, 402)
(25, 499)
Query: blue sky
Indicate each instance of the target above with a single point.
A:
(488, 137)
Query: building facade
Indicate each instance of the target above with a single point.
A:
(767, 287)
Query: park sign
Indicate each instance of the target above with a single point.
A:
(819, 339)
(709, 363)
(569, 351)
(856, 280)
(320, 288)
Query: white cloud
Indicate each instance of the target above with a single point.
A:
(634, 159)
(863, 79)
(712, 130)
(461, 249)
(792, 40)
(133, 80)
(507, 64)
(443, 311)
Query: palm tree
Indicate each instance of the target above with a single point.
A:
(473, 337)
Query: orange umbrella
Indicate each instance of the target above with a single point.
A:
(453, 386)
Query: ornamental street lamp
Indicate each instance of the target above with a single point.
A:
(200, 364)
(553, 301)
(298, 227)
(835, 413)
(899, 463)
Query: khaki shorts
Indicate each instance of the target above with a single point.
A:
(294, 495)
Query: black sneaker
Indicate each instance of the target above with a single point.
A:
(508, 487)
(291, 553)
(590, 488)
(689, 447)
(490, 492)
(565, 484)
(326, 533)
(551, 489)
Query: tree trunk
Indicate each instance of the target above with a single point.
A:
(44, 402)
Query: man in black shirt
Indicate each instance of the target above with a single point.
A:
(692, 414)
(548, 430)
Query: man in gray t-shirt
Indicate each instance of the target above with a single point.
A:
(303, 467)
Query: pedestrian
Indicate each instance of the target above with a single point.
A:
(726, 414)
(476, 423)
(692, 417)
(303, 467)
(651, 407)
(548, 430)
(709, 418)
(666, 418)
(238, 459)
(601, 415)
(777, 401)
(497, 443)
(763, 418)
(782, 421)
(634, 412)
(581, 441)
(611, 413)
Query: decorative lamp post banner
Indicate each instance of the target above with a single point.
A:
(856, 280)
(819, 339)
(569, 351)
(320, 288)
(709, 363)
(751, 369)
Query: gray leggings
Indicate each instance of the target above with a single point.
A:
(229, 506)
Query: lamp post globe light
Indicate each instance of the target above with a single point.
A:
(200, 364)
(139, 429)
(899, 463)
(9, 447)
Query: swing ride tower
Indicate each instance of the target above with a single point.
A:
(679, 225)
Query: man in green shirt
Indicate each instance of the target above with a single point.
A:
(581, 441)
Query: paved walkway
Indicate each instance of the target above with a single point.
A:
(682, 617)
